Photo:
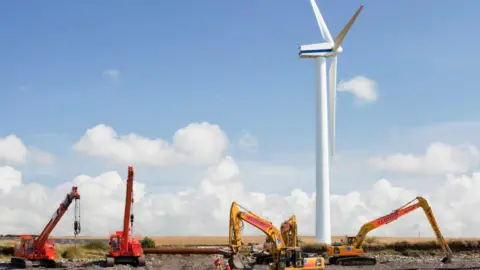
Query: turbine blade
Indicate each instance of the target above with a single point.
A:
(343, 33)
(321, 23)
(332, 84)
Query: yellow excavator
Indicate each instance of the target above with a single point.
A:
(350, 251)
(283, 257)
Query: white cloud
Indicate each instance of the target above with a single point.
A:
(247, 142)
(439, 158)
(204, 208)
(364, 89)
(112, 73)
(197, 143)
(14, 151)
(9, 178)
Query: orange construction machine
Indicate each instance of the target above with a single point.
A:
(350, 251)
(38, 250)
(123, 248)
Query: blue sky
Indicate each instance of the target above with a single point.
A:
(233, 63)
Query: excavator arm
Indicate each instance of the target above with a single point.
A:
(403, 210)
(289, 231)
(433, 223)
(372, 225)
(43, 237)
(236, 225)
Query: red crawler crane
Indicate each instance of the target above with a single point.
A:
(124, 249)
(39, 250)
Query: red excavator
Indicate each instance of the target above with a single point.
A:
(123, 248)
(38, 250)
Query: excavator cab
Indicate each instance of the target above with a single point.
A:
(295, 258)
(25, 246)
(348, 240)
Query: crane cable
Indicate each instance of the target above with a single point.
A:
(131, 214)
(76, 224)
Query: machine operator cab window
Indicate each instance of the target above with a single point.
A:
(295, 258)
(115, 242)
(29, 245)
(348, 240)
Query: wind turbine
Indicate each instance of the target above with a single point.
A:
(325, 139)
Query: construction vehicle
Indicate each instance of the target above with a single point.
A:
(39, 250)
(283, 257)
(123, 249)
(350, 251)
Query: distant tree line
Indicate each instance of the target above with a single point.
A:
(9, 235)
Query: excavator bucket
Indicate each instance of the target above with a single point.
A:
(237, 262)
(447, 260)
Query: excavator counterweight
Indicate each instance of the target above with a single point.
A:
(123, 249)
(350, 251)
(39, 250)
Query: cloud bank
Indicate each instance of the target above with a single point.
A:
(203, 208)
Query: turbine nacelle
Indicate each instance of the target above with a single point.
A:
(324, 49)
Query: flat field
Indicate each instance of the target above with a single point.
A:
(223, 240)
(389, 252)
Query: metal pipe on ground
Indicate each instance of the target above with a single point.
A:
(172, 251)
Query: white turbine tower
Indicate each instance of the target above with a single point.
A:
(320, 52)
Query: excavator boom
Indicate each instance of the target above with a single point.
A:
(128, 207)
(367, 227)
(235, 228)
(42, 238)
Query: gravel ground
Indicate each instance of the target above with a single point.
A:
(461, 261)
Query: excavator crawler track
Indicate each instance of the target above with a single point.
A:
(131, 260)
(50, 264)
(22, 263)
(109, 261)
(141, 261)
(264, 259)
(353, 261)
